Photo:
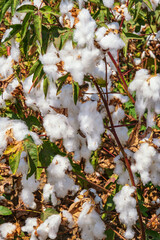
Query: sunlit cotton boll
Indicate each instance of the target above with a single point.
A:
(126, 206)
(90, 223)
(50, 227)
(6, 228)
(57, 126)
(111, 41)
(5, 66)
(108, 3)
(91, 124)
(85, 28)
(30, 223)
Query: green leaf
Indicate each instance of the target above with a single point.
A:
(14, 159)
(45, 39)
(45, 85)
(75, 91)
(27, 9)
(4, 211)
(64, 37)
(133, 36)
(13, 6)
(47, 213)
(48, 151)
(14, 31)
(110, 234)
(37, 75)
(33, 68)
(151, 235)
(148, 3)
(32, 121)
(137, 10)
(32, 155)
(26, 43)
(109, 206)
(4, 9)
(38, 28)
(60, 81)
(25, 24)
(50, 10)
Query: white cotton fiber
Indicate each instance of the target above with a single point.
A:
(49, 228)
(5, 66)
(90, 223)
(126, 206)
(49, 194)
(15, 51)
(69, 217)
(108, 3)
(111, 41)
(91, 124)
(29, 185)
(147, 164)
(30, 223)
(6, 228)
(57, 176)
(57, 126)
(85, 28)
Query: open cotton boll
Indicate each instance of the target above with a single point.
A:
(57, 176)
(121, 97)
(57, 126)
(100, 33)
(137, 61)
(111, 41)
(108, 3)
(65, 6)
(113, 25)
(50, 57)
(6, 228)
(37, 3)
(15, 51)
(91, 124)
(30, 185)
(90, 224)
(126, 206)
(69, 217)
(23, 166)
(49, 228)
(49, 194)
(147, 164)
(5, 66)
(9, 89)
(30, 223)
(81, 34)
(141, 76)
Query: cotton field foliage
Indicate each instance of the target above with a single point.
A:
(61, 67)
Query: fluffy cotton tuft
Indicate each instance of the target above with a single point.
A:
(126, 206)
(81, 34)
(90, 223)
(49, 228)
(91, 124)
(30, 223)
(108, 3)
(6, 228)
(57, 176)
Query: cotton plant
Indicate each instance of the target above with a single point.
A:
(78, 125)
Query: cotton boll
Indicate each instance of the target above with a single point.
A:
(111, 41)
(57, 176)
(28, 198)
(49, 193)
(50, 57)
(57, 126)
(6, 228)
(90, 224)
(6, 67)
(108, 3)
(15, 52)
(23, 166)
(137, 61)
(100, 33)
(91, 124)
(81, 34)
(49, 228)
(37, 3)
(69, 217)
(30, 223)
(113, 25)
(126, 206)
(88, 168)
(65, 6)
